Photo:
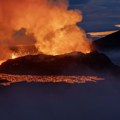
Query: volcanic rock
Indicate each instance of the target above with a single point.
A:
(69, 64)
(108, 43)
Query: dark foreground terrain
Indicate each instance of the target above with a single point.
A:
(58, 101)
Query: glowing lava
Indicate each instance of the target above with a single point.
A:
(47, 79)
(14, 56)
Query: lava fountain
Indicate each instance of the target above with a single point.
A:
(48, 26)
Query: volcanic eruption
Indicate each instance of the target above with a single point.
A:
(44, 26)
(44, 40)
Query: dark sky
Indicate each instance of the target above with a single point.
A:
(99, 15)
(78, 1)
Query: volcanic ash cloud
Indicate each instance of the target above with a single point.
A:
(48, 25)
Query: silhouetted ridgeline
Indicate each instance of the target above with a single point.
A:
(69, 64)
(108, 43)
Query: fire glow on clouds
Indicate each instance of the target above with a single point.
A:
(103, 33)
(46, 26)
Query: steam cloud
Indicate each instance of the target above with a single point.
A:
(32, 26)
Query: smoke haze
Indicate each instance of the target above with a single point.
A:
(46, 25)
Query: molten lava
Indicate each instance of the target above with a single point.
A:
(48, 25)
(47, 79)
(14, 56)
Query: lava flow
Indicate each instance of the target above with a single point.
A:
(7, 79)
(44, 26)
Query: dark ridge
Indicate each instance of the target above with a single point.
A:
(108, 43)
(69, 64)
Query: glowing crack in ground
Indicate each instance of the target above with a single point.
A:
(9, 79)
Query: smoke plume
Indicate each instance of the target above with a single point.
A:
(33, 26)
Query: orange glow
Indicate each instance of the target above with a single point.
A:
(14, 56)
(46, 79)
(118, 25)
(50, 22)
(1, 61)
(101, 34)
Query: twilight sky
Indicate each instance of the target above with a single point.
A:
(99, 15)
